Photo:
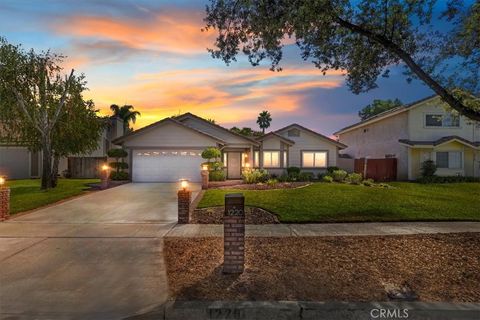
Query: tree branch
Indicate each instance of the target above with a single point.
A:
(21, 105)
(68, 82)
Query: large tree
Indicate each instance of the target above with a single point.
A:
(378, 106)
(263, 120)
(43, 108)
(363, 38)
(126, 113)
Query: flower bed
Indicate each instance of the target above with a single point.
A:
(264, 186)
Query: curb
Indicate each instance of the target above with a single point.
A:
(286, 310)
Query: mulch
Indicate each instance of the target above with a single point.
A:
(214, 215)
(442, 267)
(264, 186)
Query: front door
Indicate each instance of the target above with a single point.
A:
(234, 163)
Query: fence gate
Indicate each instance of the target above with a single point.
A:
(384, 169)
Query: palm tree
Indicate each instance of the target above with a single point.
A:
(126, 113)
(263, 120)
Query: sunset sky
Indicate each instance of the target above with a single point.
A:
(152, 54)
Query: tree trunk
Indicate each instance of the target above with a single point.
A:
(54, 175)
(46, 163)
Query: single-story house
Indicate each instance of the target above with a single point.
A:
(423, 130)
(170, 149)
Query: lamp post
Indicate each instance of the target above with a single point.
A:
(205, 176)
(105, 177)
(184, 199)
(4, 199)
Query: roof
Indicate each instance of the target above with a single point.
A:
(440, 141)
(338, 144)
(188, 114)
(287, 141)
(155, 124)
(383, 115)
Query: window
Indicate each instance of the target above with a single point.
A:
(244, 159)
(449, 160)
(256, 159)
(225, 159)
(285, 162)
(271, 159)
(442, 120)
(314, 159)
(293, 133)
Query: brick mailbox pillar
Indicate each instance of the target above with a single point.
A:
(234, 233)
(105, 178)
(205, 179)
(184, 199)
(4, 203)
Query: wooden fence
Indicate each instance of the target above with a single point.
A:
(377, 169)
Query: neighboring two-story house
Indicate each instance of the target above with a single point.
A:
(423, 130)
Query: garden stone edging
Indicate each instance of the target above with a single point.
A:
(286, 310)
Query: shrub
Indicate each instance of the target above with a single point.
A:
(217, 175)
(255, 176)
(368, 182)
(211, 153)
(118, 165)
(339, 175)
(305, 176)
(119, 175)
(117, 153)
(272, 182)
(447, 179)
(354, 178)
(327, 179)
(293, 170)
(331, 169)
(283, 178)
(428, 168)
(66, 174)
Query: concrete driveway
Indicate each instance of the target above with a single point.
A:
(94, 257)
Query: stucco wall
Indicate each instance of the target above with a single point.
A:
(15, 162)
(379, 139)
(213, 130)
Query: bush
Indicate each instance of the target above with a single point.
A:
(118, 165)
(283, 178)
(354, 178)
(327, 178)
(331, 169)
(428, 168)
(339, 175)
(293, 170)
(305, 176)
(447, 179)
(119, 175)
(117, 153)
(217, 175)
(368, 182)
(255, 176)
(272, 182)
(211, 153)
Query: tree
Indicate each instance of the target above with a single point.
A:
(378, 106)
(126, 113)
(263, 120)
(362, 38)
(246, 131)
(43, 109)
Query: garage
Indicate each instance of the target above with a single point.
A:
(150, 165)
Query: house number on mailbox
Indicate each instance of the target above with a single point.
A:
(234, 212)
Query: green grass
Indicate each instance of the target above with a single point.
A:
(329, 202)
(26, 194)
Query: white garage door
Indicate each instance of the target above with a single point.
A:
(166, 165)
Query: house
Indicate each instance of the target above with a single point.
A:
(423, 130)
(170, 149)
(18, 162)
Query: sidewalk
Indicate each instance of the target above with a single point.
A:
(328, 229)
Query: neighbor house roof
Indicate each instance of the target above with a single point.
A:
(384, 115)
(440, 141)
(270, 134)
(163, 121)
(188, 114)
(338, 144)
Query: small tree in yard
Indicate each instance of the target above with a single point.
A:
(428, 168)
(211, 153)
(119, 166)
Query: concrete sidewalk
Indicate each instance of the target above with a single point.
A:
(328, 229)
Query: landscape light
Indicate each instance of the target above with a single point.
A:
(2, 181)
(204, 167)
(105, 167)
(184, 184)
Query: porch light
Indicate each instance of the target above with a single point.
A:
(184, 184)
(247, 165)
(3, 180)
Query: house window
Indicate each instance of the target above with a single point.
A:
(314, 159)
(225, 159)
(256, 159)
(293, 133)
(271, 159)
(285, 162)
(449, 160)
(442, 120)
(244, 159)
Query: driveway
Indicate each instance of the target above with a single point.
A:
(98, 256)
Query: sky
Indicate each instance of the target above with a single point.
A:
(153, 55)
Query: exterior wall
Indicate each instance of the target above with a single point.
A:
(15, 162)
(417, 131)
(309, 141)
(346, 164)
(230, 138)
(169, 135)
(379, 139)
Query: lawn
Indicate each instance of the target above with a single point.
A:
(26, 194)
(331, 202)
